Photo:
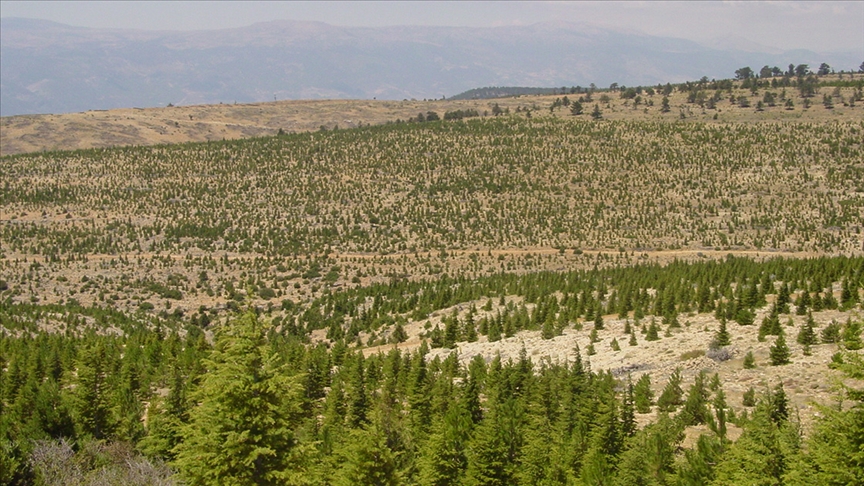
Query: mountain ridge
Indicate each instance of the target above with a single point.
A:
(49, 67)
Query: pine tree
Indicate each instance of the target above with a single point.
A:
(165, 419)
(672, 395)
(807, 335)
(451, 331)
(783, 299)
(495, 446)
(759, 456)
(749, 398)
(651, 334)
(598, 318)
(697, 467)
(398, 335)
(770, 324)
(536, 454)
(649, 459)
(91, 398)
(628, 418)
(749, 361)
(469, 329)
(779, 351)
(367, 459)
(548, 331)
(444, 460)
(852, 335)
(833, 450)
(722, 336)
(242, 429)
(643, 396)
(695, 410)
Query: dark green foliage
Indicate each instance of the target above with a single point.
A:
(749, 360)
(851, 335)
(834, 454)
(649, 460)
(91, 401)
(779, 351)
(721, 338)
(749, 399)
(697, 466)
(444, 460)
(241, 430)
(807, 334)
(399, 335)
(672, 396)
(397, 417)
(653, 329)
(695, 409)
(367, 459)
(643, 396)
(770, 324)
(831, 333)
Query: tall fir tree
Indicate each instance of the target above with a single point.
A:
(242, 429)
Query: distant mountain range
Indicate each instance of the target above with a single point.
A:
(47, 67)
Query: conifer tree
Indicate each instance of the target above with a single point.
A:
(598, 317)
(367, 459)
(399, 335)
(852, 335)
(444, 461)
(721, 338)
(643, 396)
(242, 429)
(749, 360)
(759, 456)
(833, 450)
(494, 449)
(165, 419)
(695, 410)
(779, 351)
(672, 395)
(697, 466)
(653, 329)
(548, 331)
(469, 329)
(91, 395)
(807, 335)
(783, 299)
(628, 418)
(536, 453)
(650, 457)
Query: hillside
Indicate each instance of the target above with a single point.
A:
(198, 123)
(483, 283)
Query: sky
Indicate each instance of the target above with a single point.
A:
(818, 26)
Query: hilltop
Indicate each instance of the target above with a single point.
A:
(198, 123)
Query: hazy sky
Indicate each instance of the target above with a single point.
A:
(819, 26)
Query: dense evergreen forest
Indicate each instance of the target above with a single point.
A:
(107, 396)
